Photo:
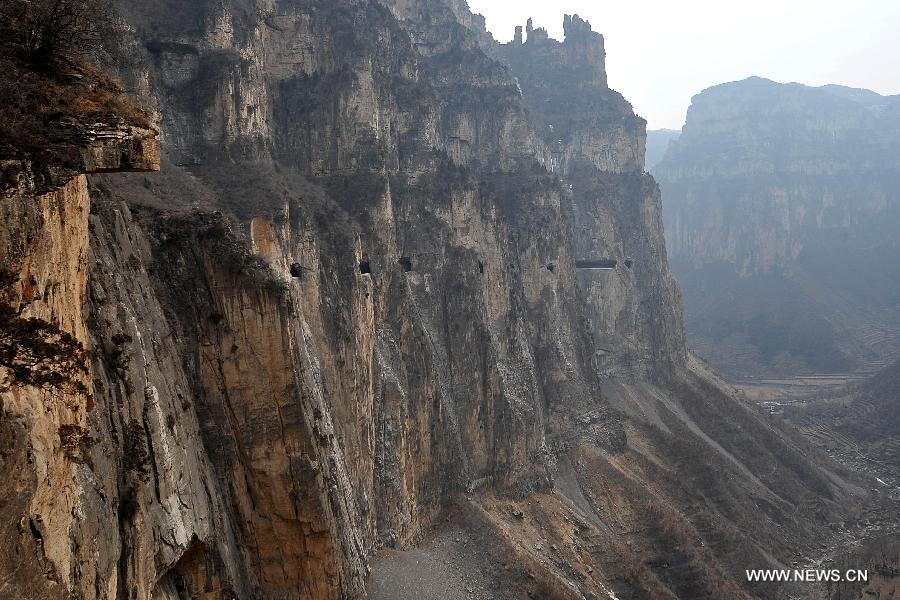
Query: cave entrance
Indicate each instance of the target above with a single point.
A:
(297, 270)
(406, 263)
(603, 263)
(365, 268)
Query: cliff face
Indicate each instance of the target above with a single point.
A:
(372, 282)
(781, 203)
(596, 145)
(46, 385)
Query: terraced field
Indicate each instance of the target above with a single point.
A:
(853, 418)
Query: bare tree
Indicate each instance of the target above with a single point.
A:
(44, 32)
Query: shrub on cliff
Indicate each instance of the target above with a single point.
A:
(36, 353)
(135, 454)
(47, 33)
(53, 55)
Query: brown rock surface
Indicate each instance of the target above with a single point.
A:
(351, 299)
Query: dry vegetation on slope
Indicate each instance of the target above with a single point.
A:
(359, 301)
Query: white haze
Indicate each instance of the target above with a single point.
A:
(662, 52)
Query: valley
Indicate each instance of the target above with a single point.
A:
(346, 299)
(811, 403)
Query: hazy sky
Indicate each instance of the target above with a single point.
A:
(662, 52)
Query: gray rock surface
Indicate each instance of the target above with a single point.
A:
(781, 209)
(369, 286)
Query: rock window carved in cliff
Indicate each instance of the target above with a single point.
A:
(365, 268)
(603, 263)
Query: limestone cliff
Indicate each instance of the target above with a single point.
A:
(382, 280)
(596, 146)
(781, 212)
(48, 402)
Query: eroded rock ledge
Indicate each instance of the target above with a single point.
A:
(253, 433)
(44, 258)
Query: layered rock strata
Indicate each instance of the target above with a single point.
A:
(781, 215)
(381, 275)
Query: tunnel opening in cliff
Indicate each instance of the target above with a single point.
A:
(603, 263)
(287, 437)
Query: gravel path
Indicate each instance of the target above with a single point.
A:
(456, 564)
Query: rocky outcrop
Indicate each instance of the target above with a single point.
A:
(595, 144)
(781, 203)
(377, 279)
(47, 407)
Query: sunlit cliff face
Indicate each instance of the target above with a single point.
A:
(376, 286)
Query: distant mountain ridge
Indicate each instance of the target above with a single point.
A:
(781, 207)
(384, 315)
(657, 143)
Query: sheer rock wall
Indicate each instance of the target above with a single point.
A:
(351, 297)
(781, 211)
